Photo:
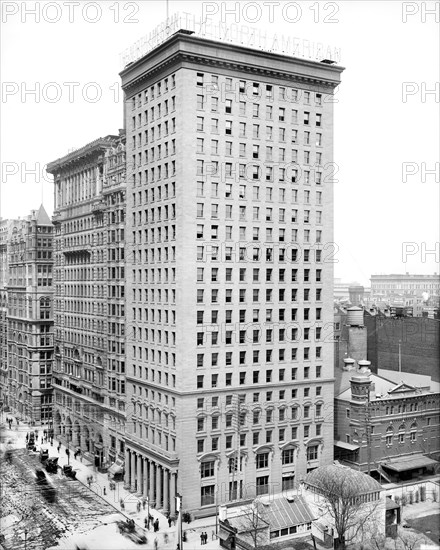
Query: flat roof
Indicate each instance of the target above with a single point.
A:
(347, 446)
(410, 462)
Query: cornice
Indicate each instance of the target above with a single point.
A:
(228, 65)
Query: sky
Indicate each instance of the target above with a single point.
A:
(60, 64)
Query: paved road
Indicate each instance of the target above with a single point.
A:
(75, 507)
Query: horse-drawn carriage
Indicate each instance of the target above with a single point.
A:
(128, 528)
(68, 471)
(52, 465)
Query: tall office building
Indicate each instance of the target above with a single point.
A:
(229, 271)
(89, 368)
(26, 312)
(5, 226)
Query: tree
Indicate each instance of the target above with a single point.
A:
(352, 514)
(252, 523)
(408, 540)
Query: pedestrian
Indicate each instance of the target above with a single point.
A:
(122, 505)
(105, 491)
(27, 438)
(147, 522)
(42, 441)
(170, 521)
(51, 442)
(165, 538)
(138, 506)
(156, 544)
(144, 503)
(201, 538)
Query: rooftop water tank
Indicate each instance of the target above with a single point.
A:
(355, 316)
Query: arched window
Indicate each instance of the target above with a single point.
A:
(389, 436)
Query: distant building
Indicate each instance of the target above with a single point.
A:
(352, 293)
(406, 290)
(26, 303)
(89, 371)
(5, 230)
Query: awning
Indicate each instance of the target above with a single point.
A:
(411, 462)
(346, 446)
(116, 468)
(390, 504)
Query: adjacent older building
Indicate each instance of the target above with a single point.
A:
(388, 429)
(27, 300)
(89, 369)
(5, 226)
(229, 367)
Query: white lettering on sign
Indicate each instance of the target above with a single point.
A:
(242, 35)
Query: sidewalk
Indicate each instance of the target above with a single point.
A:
(85, 469)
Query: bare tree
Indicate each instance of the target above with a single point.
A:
(252, 523)
(408, 540)
(352, 513)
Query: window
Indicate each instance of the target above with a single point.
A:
(228, 127)
(389, 436)
(207, 495)
(288, 456)
(262, 460)
(200, 102)
(312, 452)
(262, 484)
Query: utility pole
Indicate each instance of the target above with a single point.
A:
(238, 457)
(368, 431)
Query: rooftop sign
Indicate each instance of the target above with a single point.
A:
(242, 35)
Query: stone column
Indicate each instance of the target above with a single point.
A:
(127, 469)
(139, 476)
(133, 471)
(173, 493)
(158, 487)
(152, 479)
(145, 488)
(165, 490)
